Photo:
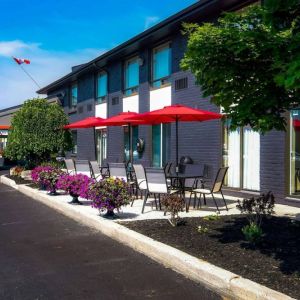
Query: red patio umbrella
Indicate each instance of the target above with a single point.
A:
(4, 127)
(175, 113)
(123, 119)
(296, 124)
(85, 123)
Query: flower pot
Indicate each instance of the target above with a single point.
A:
(52, 193)
(110, 215)
(75, 199)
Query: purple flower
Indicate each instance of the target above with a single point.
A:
(46, 176)
(75, 185)
(109, 194)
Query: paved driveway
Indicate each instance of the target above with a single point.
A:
(44, 255)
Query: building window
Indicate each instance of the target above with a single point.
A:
(241, 153)
(74, 94)
(161, 68)
(161, 144)
(135, 135)
(131, 78)
(3, 141)
(74, 139)
(295, 152)
(101, 87)
(101, 146)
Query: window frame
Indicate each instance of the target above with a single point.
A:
(133, 89)
(71, 105)
(163, 81)
(101, 99)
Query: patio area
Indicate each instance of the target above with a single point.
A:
(133, 213)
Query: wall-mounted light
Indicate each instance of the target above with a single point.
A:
(140, 61)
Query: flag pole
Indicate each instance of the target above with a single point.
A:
(29, 76)
(16, 60)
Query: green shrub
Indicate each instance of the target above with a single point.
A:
(37, 133)
(212, 217)
(173, 204)
(253, 233)
(256, 209)
(202, 229)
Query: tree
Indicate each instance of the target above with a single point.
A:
(37, 132)
(250, 62)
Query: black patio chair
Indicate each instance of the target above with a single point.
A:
(118, 170)
(216, 188)
(83, 167)
(140, 179)
(70, 166)
(156, 185)
(95, 170)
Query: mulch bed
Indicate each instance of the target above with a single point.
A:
(19, 180)
(275, 262)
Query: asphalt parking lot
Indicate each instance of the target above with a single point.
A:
(45, 255)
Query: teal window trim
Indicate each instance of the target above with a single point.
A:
(131, 76)
(101, 87)
(161, 65)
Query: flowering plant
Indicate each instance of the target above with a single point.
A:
(46, 176)
(75, 185)
(109, 194)
(16, 171)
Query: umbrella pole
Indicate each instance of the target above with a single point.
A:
(177, 163)
(130, 144)
(95, 143)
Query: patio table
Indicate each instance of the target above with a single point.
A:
(181, 178)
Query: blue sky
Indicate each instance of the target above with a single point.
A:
(55, 35)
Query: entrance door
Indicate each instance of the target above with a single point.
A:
(161, 148)
(135, 135)
(101, 145)
(241, 153)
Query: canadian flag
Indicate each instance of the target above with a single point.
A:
(20, 61)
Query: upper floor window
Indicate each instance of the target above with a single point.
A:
(131, 76)
(101, 87)
(74, 94)
(161, 69)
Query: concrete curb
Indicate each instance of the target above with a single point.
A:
(223, 282)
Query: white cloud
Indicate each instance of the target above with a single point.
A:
(9, 48)
(151, 20)
(46, 66)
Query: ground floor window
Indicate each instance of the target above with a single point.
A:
(161, 144)
(74, 139)
(135, 135)
(3, 142)
(241, 153)
(101, 137)
(295, 152)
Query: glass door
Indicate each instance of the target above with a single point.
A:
(295, 152)
(101, 145)
(161, 148)
(135, 135)
(241, 153)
